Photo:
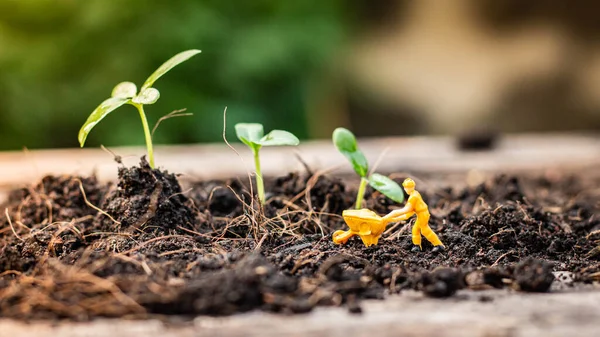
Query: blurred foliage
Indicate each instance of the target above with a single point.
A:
(60, 58)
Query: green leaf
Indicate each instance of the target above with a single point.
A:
(279, 138)
(170, 64)
(358, 161)
(124, 90)
(345, 142)
(147, 96)
(98, 114)
(387, 187)
(250, 134)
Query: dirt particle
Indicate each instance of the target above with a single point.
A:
(533, 275)
(353, 305)
(441, 282)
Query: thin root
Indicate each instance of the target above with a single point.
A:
(99, 210)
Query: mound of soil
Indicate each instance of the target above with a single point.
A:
(76, 249)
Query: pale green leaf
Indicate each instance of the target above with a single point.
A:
(165, 67)
(147, 96)
(279, 138)
(250, 134)
(124, 90)
(98, 114)
(387, 187)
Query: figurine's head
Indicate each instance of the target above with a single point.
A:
(409, 185)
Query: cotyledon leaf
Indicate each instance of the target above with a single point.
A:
(387, 187)
(358, 161)
(249, 133)
(344, 140)
(146, 96)
(124, 90)
(279, 138)
(98, 114)
(165, 67)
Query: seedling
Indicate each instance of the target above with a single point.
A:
(252, 134)
(345, 141)
(126, 93)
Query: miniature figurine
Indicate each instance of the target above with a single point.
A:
(416, 206)
(369, 226)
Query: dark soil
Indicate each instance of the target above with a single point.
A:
(145, 246)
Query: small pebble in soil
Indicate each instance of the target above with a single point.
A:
(441, 282)
(353, 305)
(533, 275)
(565, 278)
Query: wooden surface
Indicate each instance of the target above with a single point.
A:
(437, 154)
(504, 314)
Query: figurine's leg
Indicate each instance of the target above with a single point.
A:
(416, 238)
(428, 233)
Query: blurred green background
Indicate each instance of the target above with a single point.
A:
(378, 67)
(60, 59)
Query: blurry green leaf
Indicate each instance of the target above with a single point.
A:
(345, 142)
(98, 114)
(147, 96)
(165, 67)
(124, 90)
(358, 161)
(387, 187)
(250, 134)
(279, 138)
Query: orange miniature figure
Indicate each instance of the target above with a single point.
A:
(416, 206)
(369, 226)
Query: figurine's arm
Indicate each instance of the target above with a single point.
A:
(399, 214)
(398, 218)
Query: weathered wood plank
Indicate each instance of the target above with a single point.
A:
(506, 314)
(434, 154)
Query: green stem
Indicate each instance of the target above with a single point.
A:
(147, 133)
(259, 179)
(361, 192)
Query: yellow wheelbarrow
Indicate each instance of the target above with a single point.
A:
(364, 223)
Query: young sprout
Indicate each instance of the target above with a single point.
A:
(345, 142)
(252, 134)
(126, 93)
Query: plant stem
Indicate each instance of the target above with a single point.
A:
(259, 179)
(147, 134)
(361, 192)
